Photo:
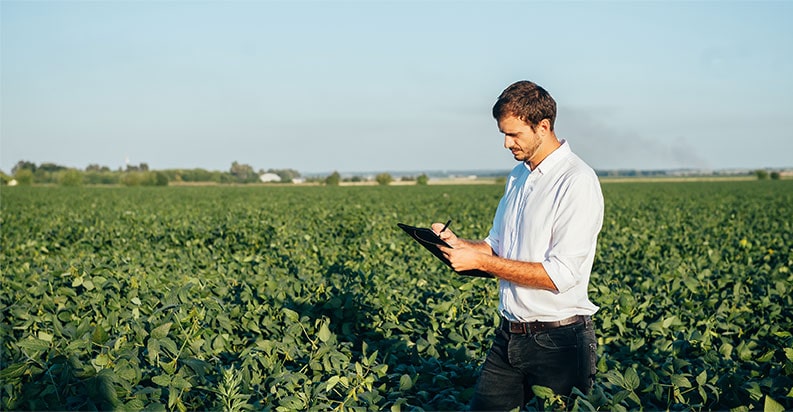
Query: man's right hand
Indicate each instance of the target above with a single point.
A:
(447, 235)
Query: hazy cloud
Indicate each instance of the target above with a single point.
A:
(597, 137)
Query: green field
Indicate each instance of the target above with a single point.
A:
(294, 298)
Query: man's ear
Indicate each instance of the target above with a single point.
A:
(544, 126)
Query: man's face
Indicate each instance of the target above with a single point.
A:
(519, 138)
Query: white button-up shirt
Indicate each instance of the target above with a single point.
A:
(551, 215)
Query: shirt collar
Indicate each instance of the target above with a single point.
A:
(552, 159)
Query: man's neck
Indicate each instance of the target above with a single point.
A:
(547, 147)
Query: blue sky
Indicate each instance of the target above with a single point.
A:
(368, 86)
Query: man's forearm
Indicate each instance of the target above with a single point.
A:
(531, 274)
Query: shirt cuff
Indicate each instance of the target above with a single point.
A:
(560, 275)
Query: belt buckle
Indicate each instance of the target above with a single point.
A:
(515, 327)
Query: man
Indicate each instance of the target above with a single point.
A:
(541, 248)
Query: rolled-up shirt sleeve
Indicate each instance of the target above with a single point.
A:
(577, 221)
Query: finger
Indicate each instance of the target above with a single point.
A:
(437, 227)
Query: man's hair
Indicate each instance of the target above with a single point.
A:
(526, 101)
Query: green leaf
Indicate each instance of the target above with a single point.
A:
(397, 406)
(672, 320)
(180, 383)
(45, 336)
(767, 357)
(153, 347)
(169, 367)
(324, 332)
(99, 336)
(422, 344)
(691, 283)
(782, 334)
(88, 284)
(455, 337)
(620, 396)
(581, 404)
(34, 344)
(543, 392)
(755, 391)
(162, 380)
(102, 359)
(170, 346)
(371, 359)
(615, 378)
(14, 370)
(744, 352)
(126, 373)
(702, 378)
(135, 405)
(291, 315)
(726, 350)
(631, 379)
(292, 403)
(331, 383)
(405, 383)
(680, 381)
(104, 383)
(380, 370)
(161, 331)
(703, 394)
(770, 405)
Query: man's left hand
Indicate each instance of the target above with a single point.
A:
(462, 257)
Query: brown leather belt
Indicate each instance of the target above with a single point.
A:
(525, 328)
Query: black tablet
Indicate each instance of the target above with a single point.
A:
(430, 240)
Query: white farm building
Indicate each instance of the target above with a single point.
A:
(269, 178)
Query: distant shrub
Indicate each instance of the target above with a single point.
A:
(4, 178)
(133, 178)
(24, 177)
(384, 179)
(422, 180)
(101, 178)
(70, 177)
(160, 179)
(333, 180)
(144, 179)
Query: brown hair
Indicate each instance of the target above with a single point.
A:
(526, 101)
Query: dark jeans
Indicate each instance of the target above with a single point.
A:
(559, 358)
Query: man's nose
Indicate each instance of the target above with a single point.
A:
(507, 142)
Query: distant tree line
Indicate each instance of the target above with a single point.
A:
(28, 173)
(761, 174)
(382, 179)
